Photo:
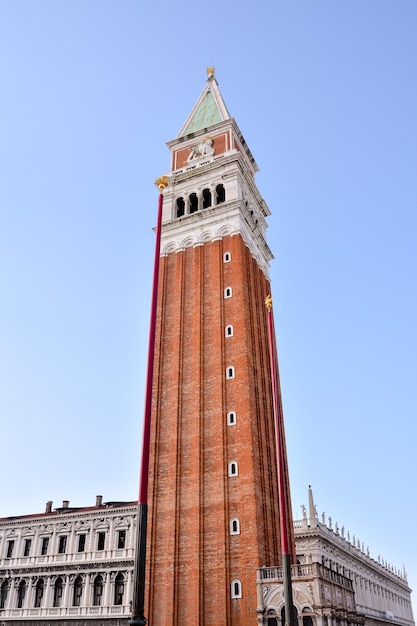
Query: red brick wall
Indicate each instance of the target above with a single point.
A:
(192, 558)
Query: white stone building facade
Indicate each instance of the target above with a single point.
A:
(336, 581)
(68, 565)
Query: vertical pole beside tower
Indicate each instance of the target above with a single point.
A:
(138, 600)
(282, 491)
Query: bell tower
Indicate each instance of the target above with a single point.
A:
(213, 504)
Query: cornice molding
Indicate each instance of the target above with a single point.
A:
(10, 524)
(201, 228)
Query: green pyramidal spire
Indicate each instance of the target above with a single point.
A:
(209, 109)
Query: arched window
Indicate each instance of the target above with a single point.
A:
(236, 588)
(180, 207)
(220, 194)
(228, 331)
(230, 372)
(271, 617)
(98, 590)
(119, 589)
(233, 468)
(193, 203)
(206, 198)
(4, 590)
(21, 593)
(228, 292)
(227, 257)
(307, 618)
(231, 418)
(234, 525)
(58, 590)
(78, 591)
(39, 593)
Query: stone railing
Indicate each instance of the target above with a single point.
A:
(305, 571)
(297, 571)
(65, 612)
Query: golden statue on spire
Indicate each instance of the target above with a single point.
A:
(162, 182)
(210, 71)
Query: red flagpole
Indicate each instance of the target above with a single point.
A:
(282, 489)
(138, 600)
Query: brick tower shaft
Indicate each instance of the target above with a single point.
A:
(214, 514)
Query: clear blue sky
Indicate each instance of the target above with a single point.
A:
(325, 95)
